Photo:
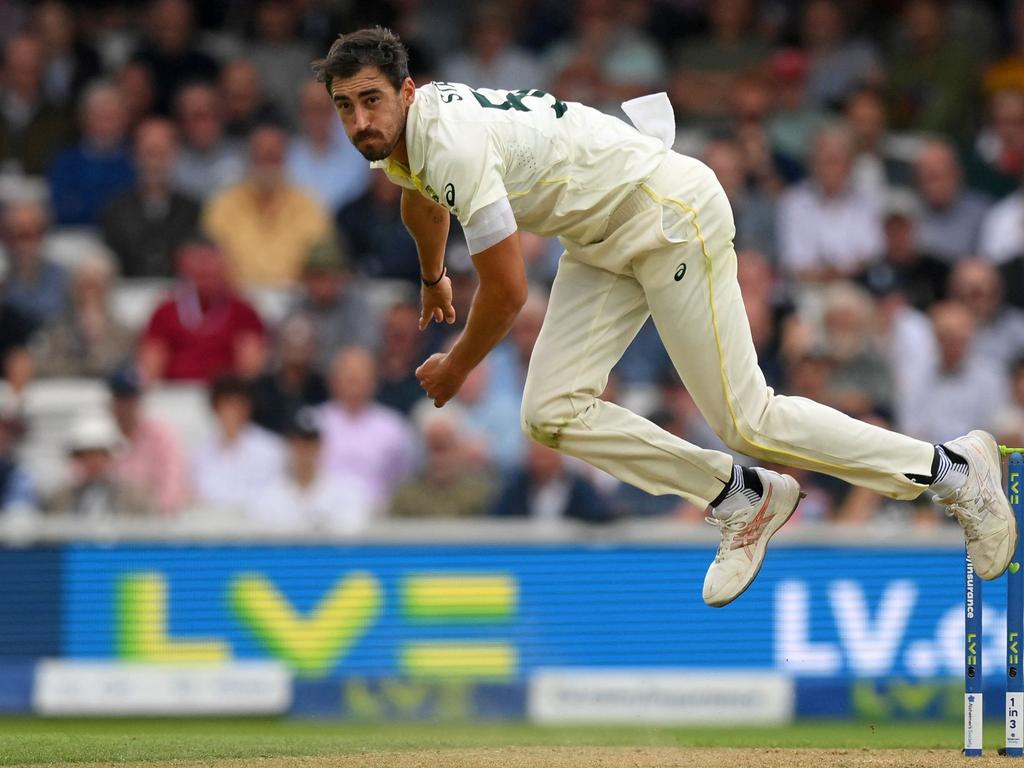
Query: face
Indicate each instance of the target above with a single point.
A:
(24, 230)
(137, 94)
(232, 412)
(371, 110)
(866, 117)
(103, 118)
(938, 175)
(240, 84)
(55, 25)
(831, 163)
(200, 117)
(170, 24)
(354, 378)
(266, 157)
(954, 330)
(1008, 116)
(316, 113)
(155, 147)
(726, 160)
(23, 65)
(93, 463)
(976, 284)
(203, 266)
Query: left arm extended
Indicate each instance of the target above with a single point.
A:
(496, 304)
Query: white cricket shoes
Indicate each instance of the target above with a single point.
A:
(745, 536)
(980, 506)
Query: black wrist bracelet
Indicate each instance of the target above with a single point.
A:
(444, 271)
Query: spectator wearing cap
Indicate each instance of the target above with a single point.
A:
(94, 489)
(204, 328)
(950, 223)
(35, 284)
(152, 456)
(453, 481)
(329, 299)
(321, 158)
(17, 491)
(242, 460)
(306, 498)
(293, 382)
(265, 224)
(87, 340)
(86, 176)
(920, 277)
(361, 436)
(146, 224)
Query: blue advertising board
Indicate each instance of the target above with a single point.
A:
(497, 613)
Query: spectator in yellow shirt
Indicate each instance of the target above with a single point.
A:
(264, 224)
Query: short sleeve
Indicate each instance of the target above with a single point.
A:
(467, 169)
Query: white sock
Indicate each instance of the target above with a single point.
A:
(950, 473)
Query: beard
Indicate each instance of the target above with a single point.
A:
(374, 152)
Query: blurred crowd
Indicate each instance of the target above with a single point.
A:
(207, 300)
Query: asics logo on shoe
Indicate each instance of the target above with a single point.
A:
(748, 537)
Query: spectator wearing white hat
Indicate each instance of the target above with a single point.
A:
(94, 488)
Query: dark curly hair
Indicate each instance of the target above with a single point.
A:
(372, 47)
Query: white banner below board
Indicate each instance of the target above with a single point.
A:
(119, 688)
(651, 696)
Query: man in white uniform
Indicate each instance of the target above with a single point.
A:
(646, 232)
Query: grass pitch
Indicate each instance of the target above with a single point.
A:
(266, 743)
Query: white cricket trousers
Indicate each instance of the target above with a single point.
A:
(669, 254)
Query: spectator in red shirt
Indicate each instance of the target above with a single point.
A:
(204, 329)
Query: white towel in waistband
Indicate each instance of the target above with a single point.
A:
(652, 115)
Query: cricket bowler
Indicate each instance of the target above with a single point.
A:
(646, 232)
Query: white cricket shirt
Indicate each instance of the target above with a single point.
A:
(563, 166)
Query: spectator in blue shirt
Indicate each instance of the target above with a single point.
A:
(84, 177)
(36, 286)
